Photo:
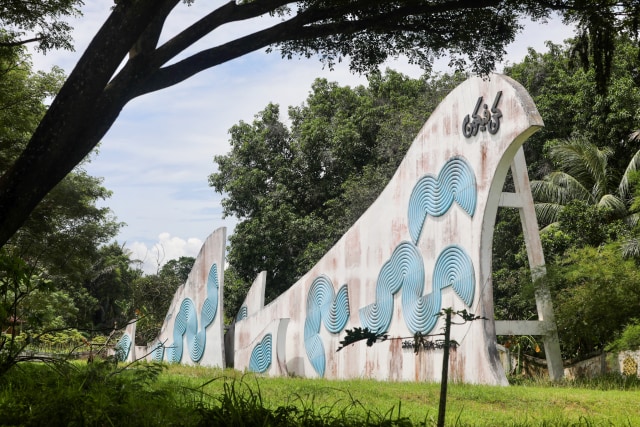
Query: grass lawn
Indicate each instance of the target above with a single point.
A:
(101, 394)
(611, 402)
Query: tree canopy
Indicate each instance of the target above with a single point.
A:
(363, 31)
(39, 22)
(297, 190)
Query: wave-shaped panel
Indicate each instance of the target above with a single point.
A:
(405, 266)
(260, 359)
(186, 322)
(434, 195)
(328, 307)
(123, 347)
(453, 268)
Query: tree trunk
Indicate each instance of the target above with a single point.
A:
(78, 118)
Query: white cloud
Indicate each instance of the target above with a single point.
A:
(167, 248)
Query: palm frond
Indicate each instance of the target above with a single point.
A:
(585, 162)
(560, 187)
(633, 166)
(548, 213)
(632, 220)
(631, 248)
(615, 204)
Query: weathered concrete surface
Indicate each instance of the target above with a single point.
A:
(206, 276)
(460, 180)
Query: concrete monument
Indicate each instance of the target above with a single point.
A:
(425, 244)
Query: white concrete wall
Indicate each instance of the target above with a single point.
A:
(212, 253)
(359, 257)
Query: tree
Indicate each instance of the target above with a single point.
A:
(296, 191)
(60, 247)
(584, 176)
(177, 270)
(364, 31)
(39, 22)
(566, 96)
(596, 294)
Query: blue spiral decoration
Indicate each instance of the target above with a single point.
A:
(123, 347)
(435, 195)
(186, 322)
(242, 313)
(157, 354)
(405, 270)
(260, 359)
(405, 265)
(323, 306)
(453, 268)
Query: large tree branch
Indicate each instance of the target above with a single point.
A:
(307, 25)
(15, 43)
(228, 13)
(148, 40)
(49, 156)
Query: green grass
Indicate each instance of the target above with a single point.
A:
(81, 394)
(611, 401)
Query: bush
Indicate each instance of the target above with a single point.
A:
(94, 394)
(628, 340)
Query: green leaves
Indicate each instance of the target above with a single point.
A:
(297, 190)
(596, 293)
(359, 334)
(39, 22)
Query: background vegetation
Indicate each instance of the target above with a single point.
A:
(296, 188)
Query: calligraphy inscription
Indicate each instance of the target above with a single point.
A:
(485, 120)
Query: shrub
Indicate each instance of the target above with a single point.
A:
(629, 339)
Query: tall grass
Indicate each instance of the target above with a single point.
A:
(103, 394)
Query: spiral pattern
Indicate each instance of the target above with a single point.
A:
(157, 354)
(123, 347)
(404, 266)
(260, 359)
(453, 268)
(435, 195)
(186, 322)
(242, 313)
(323, 306)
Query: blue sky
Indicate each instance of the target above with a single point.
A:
(158, 155)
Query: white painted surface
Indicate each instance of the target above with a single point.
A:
(358, 256)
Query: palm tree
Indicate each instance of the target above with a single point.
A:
(584, 175)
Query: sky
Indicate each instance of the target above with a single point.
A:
(158, 155)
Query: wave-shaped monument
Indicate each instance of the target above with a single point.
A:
(423, 245)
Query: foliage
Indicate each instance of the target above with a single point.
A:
(16, 282)
(582, 165)
(629, 339)
(595, 294)
(109, 283)
(566, 97)
(296, 191)
(88, 394)
(182, 395)
(39, 22)
(584, 176)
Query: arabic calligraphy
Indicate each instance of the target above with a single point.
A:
(485, 120)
